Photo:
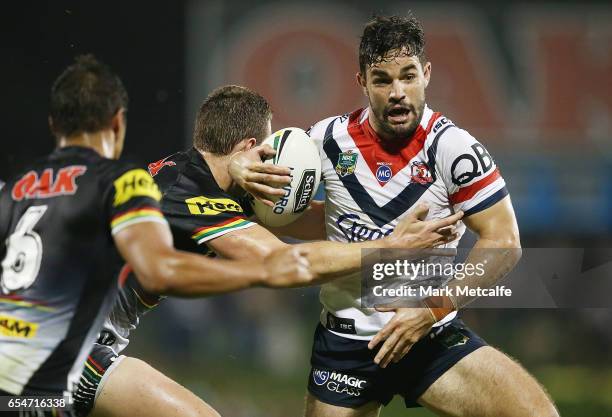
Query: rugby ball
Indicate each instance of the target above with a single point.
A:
(294, 149)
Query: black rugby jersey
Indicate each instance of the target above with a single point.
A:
(60, 267)
(198, 211)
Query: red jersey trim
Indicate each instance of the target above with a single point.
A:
(369, 144)
(464, 194)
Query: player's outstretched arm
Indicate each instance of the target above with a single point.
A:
(330, 260)
(310, 225)
(161, 269)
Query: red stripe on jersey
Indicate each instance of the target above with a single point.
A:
(96, 364)
(19, 298)
(116, 216)
(375, 150)
(470, 191)
(223, 223)
(123, 274)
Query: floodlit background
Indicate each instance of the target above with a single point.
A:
(531, 80)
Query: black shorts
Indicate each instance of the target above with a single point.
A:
(344, 373)
(98, 367)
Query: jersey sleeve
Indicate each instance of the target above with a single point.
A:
(318, 130)
(133, 197)
(469, 172)
(204, 217)
(317, 133)
(245, 202)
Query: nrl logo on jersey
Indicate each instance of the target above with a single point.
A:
(346, 163)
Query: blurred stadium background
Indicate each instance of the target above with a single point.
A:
(531, 80)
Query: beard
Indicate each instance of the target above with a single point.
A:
(394, 130)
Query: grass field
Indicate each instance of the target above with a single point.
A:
(243, 378)
(242, 390)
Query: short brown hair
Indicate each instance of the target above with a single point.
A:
(229, 115)
(85, 97)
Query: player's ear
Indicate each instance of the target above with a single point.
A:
(361, 80)
(51, 126)
(244, 145)
(250, 143)
(118, 121)
(118, 125)
(52, 129)
(427, 73)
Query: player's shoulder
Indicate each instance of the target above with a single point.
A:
(445, 137)
(169, 165)
(168, 170)
(328, 125)
(110, 170)
(185, 176)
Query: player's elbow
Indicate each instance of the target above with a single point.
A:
(159, 277)
(155, 283)
(510, 242)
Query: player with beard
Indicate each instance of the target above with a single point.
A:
(378, 162)
(206, 214)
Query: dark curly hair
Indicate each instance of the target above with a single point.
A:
(386, 37)
(85, 97)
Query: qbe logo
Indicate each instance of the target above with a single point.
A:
(320, 377)
(383, 173)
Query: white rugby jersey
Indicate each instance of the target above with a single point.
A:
(370, 188)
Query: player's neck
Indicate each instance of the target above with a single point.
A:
(377, 130)
(219, 166)
(103, 142)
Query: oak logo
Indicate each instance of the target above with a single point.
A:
(135, 183)
(48, 185)
(212, 206)
(13, 327)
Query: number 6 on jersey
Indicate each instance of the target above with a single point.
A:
(23, 252)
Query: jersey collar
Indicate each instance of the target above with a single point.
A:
(364, 120)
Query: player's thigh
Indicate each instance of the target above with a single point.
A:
(135, 389)
(316, 408)
(487, 383)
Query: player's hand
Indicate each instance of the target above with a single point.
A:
(407, 327)
(263, 181)
(288, 267)
(414, 232)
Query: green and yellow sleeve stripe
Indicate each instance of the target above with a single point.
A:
(206, 233)
(137, 215)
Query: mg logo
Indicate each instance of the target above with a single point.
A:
(383, 173)
(320, 377)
